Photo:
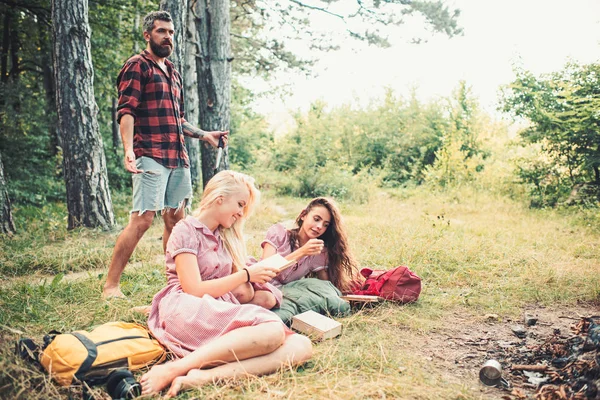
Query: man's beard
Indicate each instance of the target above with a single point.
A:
(161, 51)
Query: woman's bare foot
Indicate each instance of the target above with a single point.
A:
(158, 378)
(195, 378)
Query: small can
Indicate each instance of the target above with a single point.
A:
(491, 374)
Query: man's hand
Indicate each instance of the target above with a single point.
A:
(130, 162)
(210, 137)
(213, 137)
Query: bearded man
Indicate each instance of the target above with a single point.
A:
(152, 125)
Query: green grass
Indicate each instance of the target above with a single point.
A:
(477, 253)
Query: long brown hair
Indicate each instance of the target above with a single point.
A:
(342, 267)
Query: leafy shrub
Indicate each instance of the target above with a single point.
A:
(545, 179)
(453, 167)
(562, 108)
(329, 180)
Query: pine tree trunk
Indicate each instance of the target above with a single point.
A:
(6, 222)
(190, 88)
(214, 76)
(179, 11)
(84, 165)
(116, 136)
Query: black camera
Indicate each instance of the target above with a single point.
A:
(121, 385)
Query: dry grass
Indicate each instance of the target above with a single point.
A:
(477, 253)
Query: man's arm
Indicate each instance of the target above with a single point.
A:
(210, 137)
(129, 84)
(126, 128)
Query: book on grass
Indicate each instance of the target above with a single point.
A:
(316, 326)
(361, 298)
(276, 261)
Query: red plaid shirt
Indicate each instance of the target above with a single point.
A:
(155, 100)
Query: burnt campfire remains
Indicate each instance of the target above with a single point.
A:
(563, 366)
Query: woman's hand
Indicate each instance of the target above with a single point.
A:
(261, 274)
(312, 247)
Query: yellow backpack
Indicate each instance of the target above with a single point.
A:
(92, 356)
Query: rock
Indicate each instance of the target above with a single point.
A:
(519, 331)
(491, 317)
(530, 320)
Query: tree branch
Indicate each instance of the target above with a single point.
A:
(318, 9)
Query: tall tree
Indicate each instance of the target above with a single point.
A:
(214, 75)
(6, 222)
(84, 165)
(183, 57)
(190, 89)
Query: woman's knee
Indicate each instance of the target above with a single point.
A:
(273, 336)
(243, 293)
(264, 299)
(301, 346)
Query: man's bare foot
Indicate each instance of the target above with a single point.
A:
(113, 293)
(142, 310)
(194, 379)
(158, 378)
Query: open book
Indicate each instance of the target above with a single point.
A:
(276, 261)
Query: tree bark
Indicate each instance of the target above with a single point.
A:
(190, 88)
(84, 165)
(116, 136)
(179, 11)
(7, 225)
(214, 76)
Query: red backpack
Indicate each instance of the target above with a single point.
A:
(399, 284)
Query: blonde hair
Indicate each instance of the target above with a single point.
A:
(223, 185)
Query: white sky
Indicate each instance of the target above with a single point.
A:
(541, 35)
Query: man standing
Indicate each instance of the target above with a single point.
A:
(150, 116)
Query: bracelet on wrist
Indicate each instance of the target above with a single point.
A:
(247, 275)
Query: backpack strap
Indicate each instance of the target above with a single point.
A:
(29, 351)
(49, 338)
(92, 354)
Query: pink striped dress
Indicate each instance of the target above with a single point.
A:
(183, 322)
(278, 237)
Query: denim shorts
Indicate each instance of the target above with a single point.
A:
(159, 188)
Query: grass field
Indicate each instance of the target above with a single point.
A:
(478, 253)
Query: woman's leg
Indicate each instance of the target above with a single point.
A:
(264, 298)
(244, 293)
(239, 344)
(296, 350)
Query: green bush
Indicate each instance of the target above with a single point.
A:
(545, 179)
(329, 180)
